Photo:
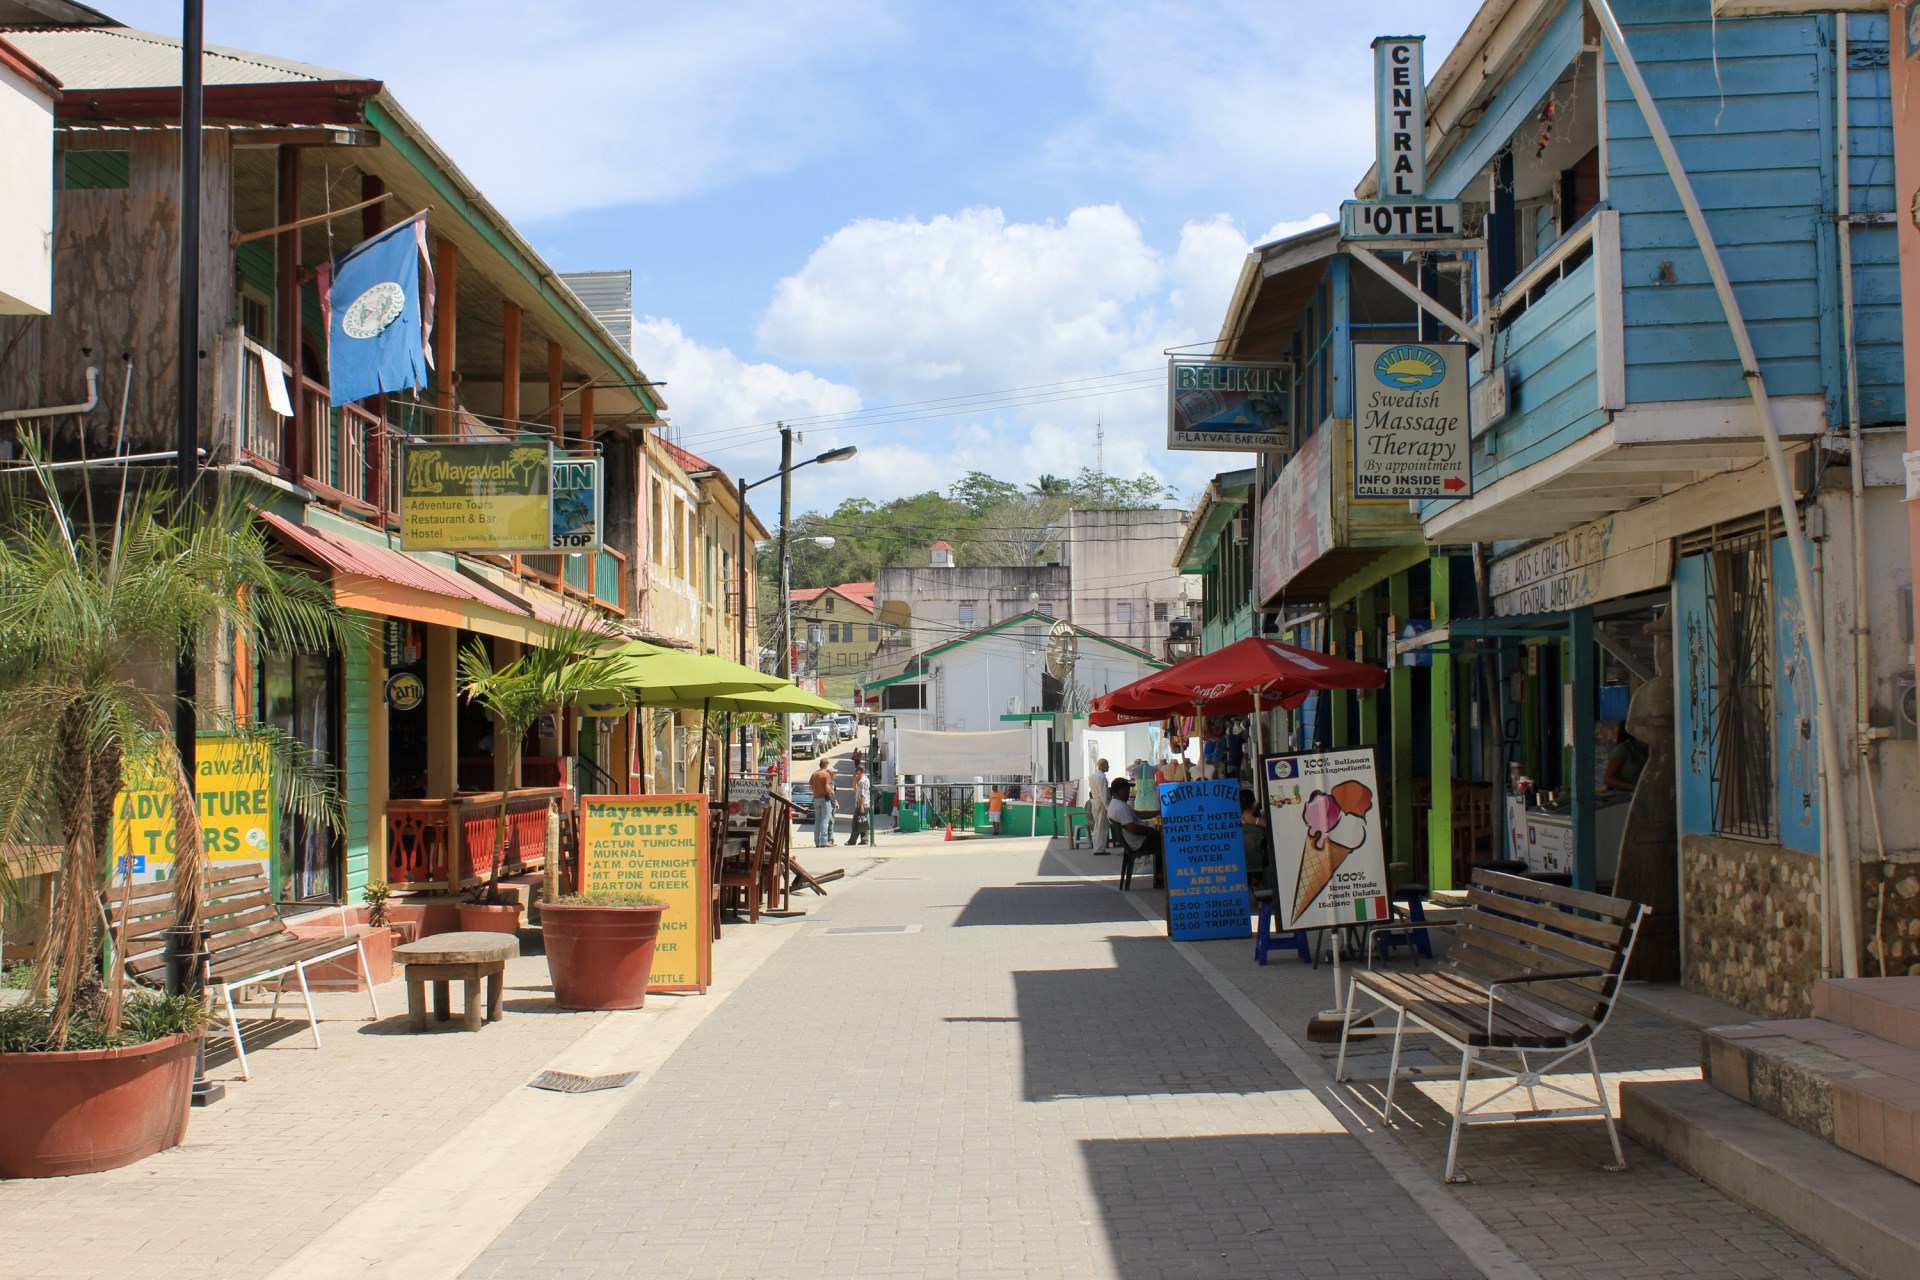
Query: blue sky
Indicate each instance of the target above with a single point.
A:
(838, 206)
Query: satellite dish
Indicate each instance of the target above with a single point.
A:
(1063, 647)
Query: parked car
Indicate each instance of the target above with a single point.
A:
(845, 724)
(806, 745)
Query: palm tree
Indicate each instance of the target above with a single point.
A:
(94, 614)
(1051, 486)
(539, 680)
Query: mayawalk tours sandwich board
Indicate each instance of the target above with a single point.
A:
(656, 845)
(1324, 813)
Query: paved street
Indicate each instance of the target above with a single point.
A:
(971, 1059)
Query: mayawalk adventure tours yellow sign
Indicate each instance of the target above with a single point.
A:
(492, 498)
(238, 814)
(656, 845)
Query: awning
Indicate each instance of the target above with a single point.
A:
(392, 584)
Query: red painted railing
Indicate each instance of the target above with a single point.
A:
(425, 838)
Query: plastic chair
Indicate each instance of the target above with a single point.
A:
(1264, 941)
(1079, 827)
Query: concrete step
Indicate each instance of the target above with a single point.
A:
(1887, 1008)
(1855, 1212)
(1843, 1086)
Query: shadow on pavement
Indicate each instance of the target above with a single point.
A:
(1260, 1205)
(1057, 902)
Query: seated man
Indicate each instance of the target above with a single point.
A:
(1259, 847)
(1138, 835)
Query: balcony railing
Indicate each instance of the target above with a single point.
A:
(426, 839)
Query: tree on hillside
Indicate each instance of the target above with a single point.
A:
(1096, 490)
(980, 492)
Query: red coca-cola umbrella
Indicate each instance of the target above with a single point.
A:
(1258, 668)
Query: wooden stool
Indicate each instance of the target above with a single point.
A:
(445, 958)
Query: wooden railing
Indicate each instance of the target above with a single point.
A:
(428, 839)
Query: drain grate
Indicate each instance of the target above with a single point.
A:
(851, 929)
(567, 1082)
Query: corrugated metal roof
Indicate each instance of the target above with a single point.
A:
(609, 296)
(85, 58)
(343, 555)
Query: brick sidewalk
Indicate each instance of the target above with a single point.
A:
(1022, 1081)
(1539, 1185)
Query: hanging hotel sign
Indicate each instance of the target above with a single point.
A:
(1229, 405)
(576, 504)
(492, 498)
(1410, 433)
(1400, 209)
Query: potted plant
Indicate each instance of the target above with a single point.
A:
(600, 948)
(99, 590)
(517, 694)
(378, 897)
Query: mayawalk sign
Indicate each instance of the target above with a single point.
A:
(1410, 434)
(490, 498)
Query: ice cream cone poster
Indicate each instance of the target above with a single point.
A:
(1324, 811)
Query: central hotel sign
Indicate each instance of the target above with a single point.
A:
(1400, 209)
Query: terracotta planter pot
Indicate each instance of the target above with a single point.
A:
(86, 1110)
(504, 918)
(600, 957)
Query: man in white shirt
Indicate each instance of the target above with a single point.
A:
(1097, 798)
(1138, 835)
(862, 806)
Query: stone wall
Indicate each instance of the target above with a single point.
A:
(1752, 924)
(1890, 917)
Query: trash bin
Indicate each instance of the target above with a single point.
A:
(910, 819)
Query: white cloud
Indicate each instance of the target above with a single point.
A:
(1285, 228)
(911, 310)
(578, 104)
(721, 404)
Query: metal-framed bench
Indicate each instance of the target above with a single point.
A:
(1533, 970)
(244, 939)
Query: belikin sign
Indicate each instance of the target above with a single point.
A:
(1410, 432)
(1229, 405)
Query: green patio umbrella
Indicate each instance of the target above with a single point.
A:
(774, 701)
(653, 676)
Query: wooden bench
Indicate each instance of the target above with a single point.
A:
(1533, 970)
(245, 941)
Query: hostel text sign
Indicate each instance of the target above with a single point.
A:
(1205, 849)
(656, 845)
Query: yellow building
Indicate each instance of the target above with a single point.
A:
(835, 634)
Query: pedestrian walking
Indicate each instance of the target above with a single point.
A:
(859, 759)
(821, 784)
(1098, 794)
(862, 806)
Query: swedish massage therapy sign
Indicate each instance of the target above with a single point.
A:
(1200, 833)
(1324, 811)
(1410, 433)
(656, 845)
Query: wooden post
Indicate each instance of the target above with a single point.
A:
(556, 373)
(1585, 693)
(443, 712)
(510, 360)
(286, 298)
(373, 218)
(586, 414)
(1366, 620)
(1440, 749)
(446, 284)
(379, 736)
(1400, 696)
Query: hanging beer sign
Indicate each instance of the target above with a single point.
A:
(1231, 406)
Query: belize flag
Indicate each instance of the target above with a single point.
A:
(372, 300)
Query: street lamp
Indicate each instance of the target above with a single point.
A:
(787, 467)
(785, 476)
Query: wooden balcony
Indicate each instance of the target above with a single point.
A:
(428, 841)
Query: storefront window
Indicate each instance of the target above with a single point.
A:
(298, 694)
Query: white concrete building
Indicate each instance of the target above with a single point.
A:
(27, 95)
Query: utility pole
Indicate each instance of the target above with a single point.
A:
(784, 669)
(187, 423)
